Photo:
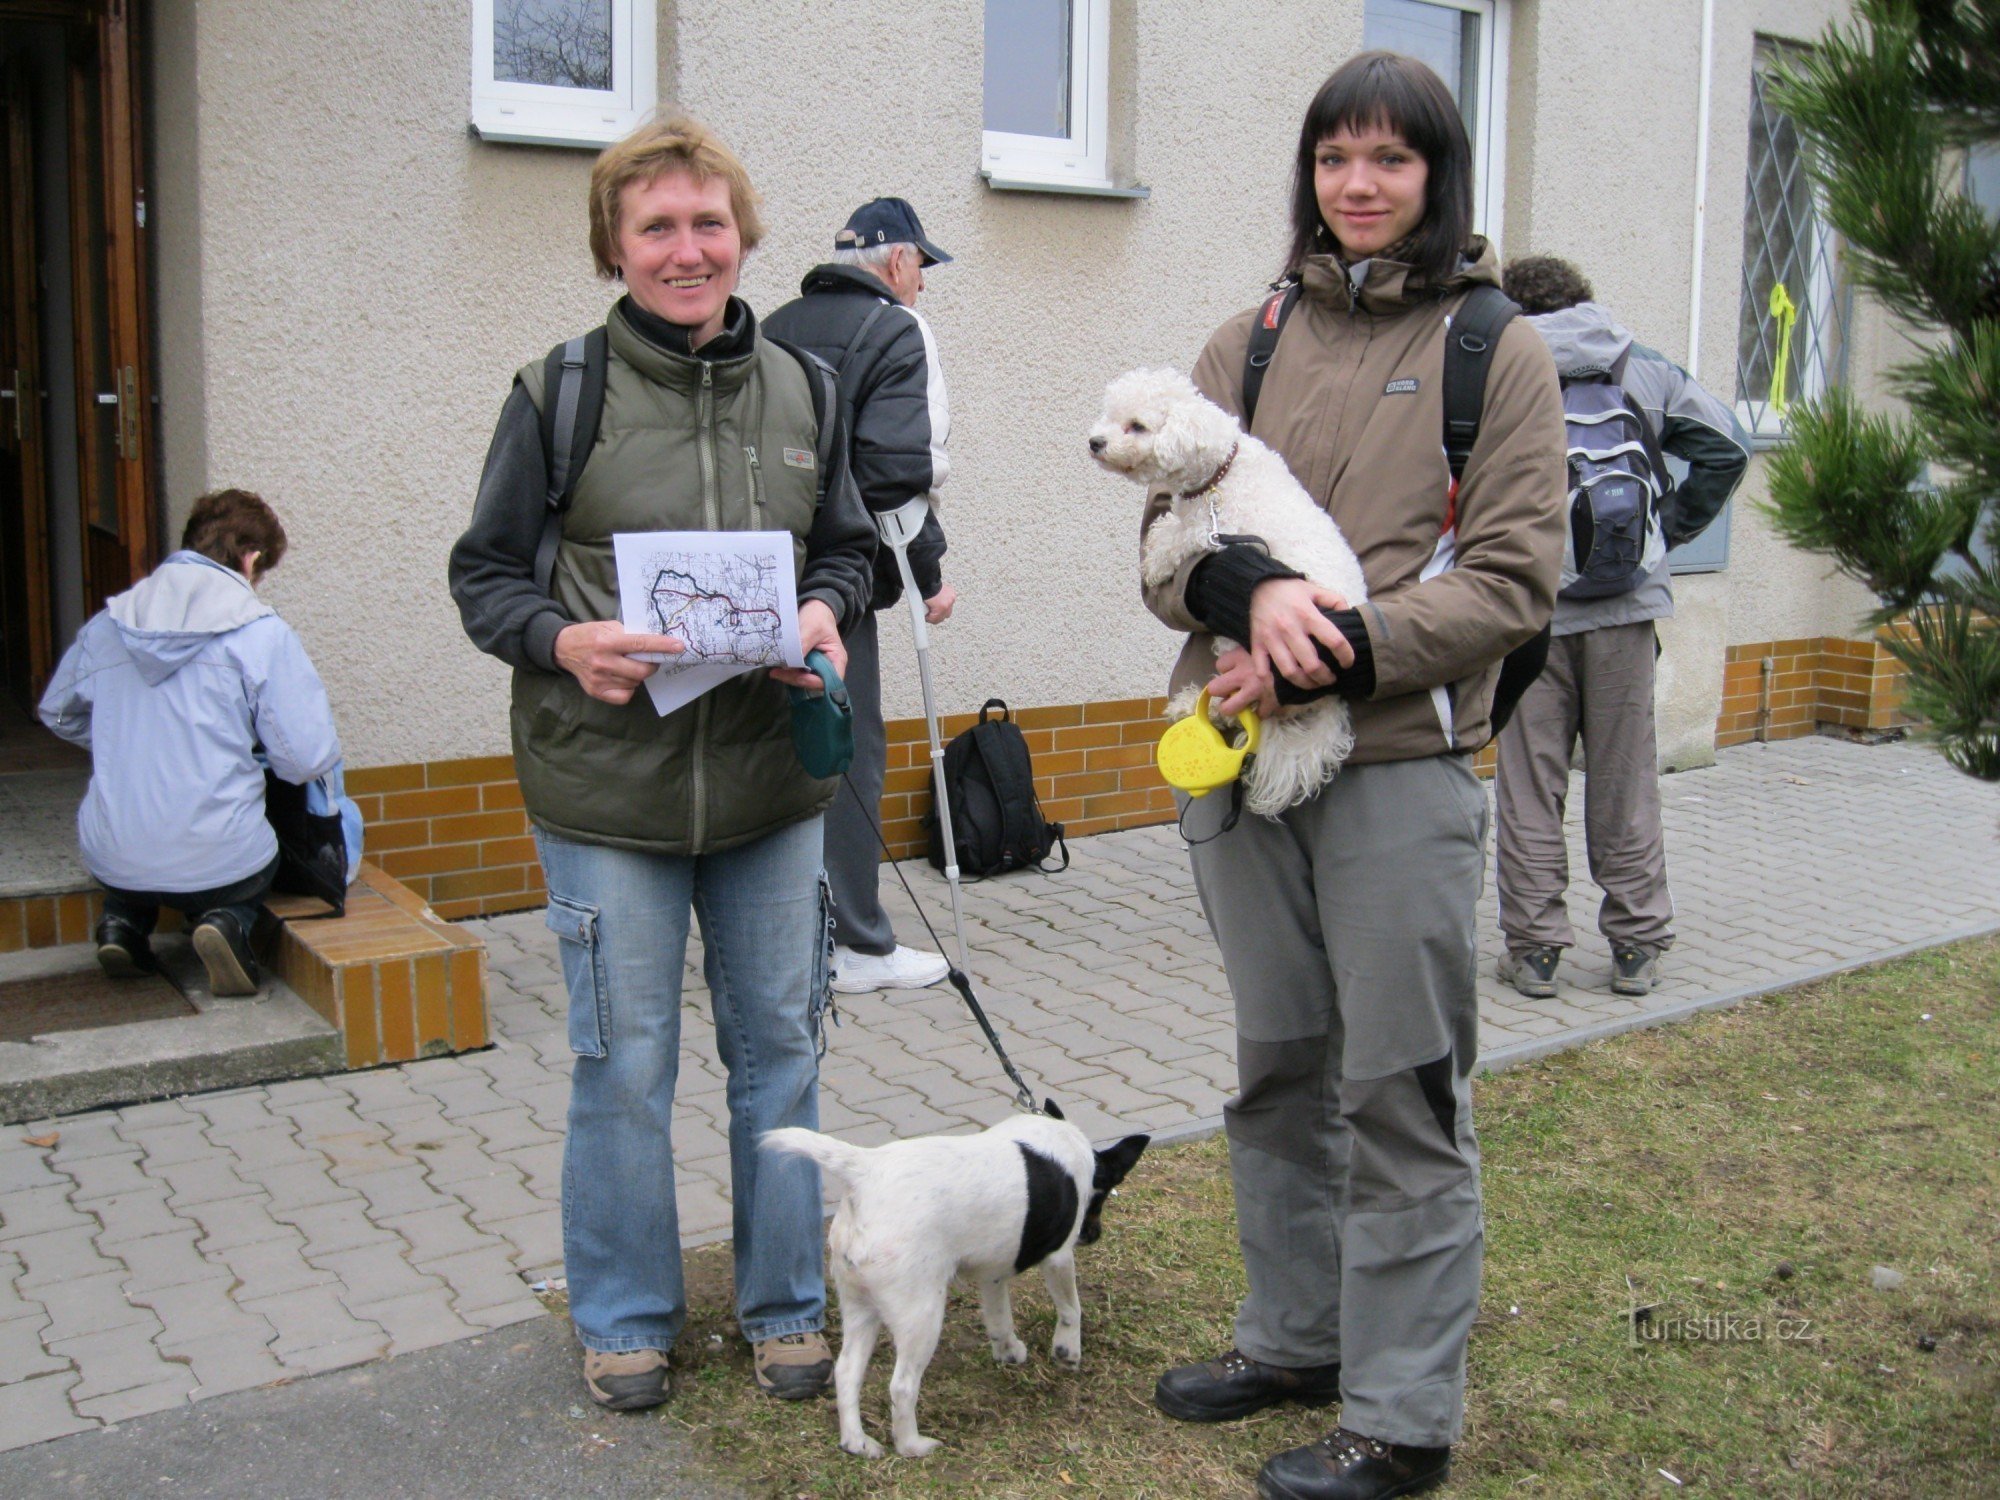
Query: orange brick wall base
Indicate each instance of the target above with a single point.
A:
(1779, 690)
(453, 831)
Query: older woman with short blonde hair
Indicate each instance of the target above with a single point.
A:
(644, 820)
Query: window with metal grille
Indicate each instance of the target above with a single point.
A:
(1792, 329)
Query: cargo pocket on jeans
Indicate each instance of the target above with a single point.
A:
(583, 973)
(823, 1007)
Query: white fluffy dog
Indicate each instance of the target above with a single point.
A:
(1159, 430)
(918, 1213)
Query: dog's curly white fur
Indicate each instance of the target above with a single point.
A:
(1159, 430)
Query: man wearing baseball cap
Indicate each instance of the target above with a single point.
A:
(858, 313)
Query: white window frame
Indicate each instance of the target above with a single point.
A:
(1078, 162)
(1489, 147)
(543, 115)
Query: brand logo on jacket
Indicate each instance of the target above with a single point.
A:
(799, 458)
(1406, 386)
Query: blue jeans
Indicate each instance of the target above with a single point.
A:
(767, 943)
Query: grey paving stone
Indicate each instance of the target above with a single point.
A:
(36, 1408)
(103, 1175)
(375, 1273)
(270, 1268)
(89, 1304)
(498, 1196)
(418, 1320)
(143, 1400)
(541, 1164)
(22, 1353)
(392, 1193)
(59, 1255)
(227, 1223)
(483, 1276)
(85, 1136)
(117, 1359)
(204, 1180)
(536, 1238)
(223, 1363)
(272, 1145)
(132, 1216)
(201, 1309)
(39, 1210)
(308, 1319)
(166, 1260)
(333, 1228)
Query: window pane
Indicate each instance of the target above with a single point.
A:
(1442, 35)
(1028, 66)
(562, 43)
(1785, 241)
(1982, 177)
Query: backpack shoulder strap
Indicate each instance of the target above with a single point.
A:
(875, 312)
(1469, 342)
(573, 377)
(825, 400)
(1264, 343)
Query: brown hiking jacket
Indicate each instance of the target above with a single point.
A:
(1452, 587)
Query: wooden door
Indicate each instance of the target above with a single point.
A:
(116, 468)
(26, 614)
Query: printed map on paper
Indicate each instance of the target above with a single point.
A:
(728, 595)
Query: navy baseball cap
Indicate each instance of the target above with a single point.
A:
(887, 221)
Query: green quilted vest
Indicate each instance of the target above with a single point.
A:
(685, 445)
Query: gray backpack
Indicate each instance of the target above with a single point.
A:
(1616, 481)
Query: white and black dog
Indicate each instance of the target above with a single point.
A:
(918, 1213)
(1159, 430)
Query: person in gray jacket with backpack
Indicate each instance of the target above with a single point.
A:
(1598, 683)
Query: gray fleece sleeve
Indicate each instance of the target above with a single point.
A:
(493, 564)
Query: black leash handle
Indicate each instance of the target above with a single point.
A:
(960, 981)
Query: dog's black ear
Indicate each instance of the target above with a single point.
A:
(1049, 1109)
(1113, 1162)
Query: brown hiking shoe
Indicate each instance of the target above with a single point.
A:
(630, 1380)
(794, 1366)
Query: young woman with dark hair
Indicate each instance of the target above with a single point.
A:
(1346, 922)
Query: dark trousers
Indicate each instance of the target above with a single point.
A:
(140, 910)
(853, 848)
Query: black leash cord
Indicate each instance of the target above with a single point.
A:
(960, 981)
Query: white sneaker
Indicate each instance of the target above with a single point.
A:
(905, 969)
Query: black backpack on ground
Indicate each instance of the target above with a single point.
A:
(1470, 339)
(996, 819)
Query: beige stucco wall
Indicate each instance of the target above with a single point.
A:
(349, 280)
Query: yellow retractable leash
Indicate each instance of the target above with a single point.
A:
(1195, 758)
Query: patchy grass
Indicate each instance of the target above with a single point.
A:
(1753, 1166)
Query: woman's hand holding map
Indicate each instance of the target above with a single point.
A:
(599, 656)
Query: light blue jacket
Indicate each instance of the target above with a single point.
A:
(170, 688)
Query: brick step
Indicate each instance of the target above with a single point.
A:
(398, 982)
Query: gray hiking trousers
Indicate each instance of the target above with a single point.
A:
(1599, 684)
(853, 848)
(1347, 931)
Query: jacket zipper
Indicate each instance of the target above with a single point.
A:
(711, 517)
(756, 489)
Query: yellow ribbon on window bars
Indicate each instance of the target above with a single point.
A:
(1787, 314)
